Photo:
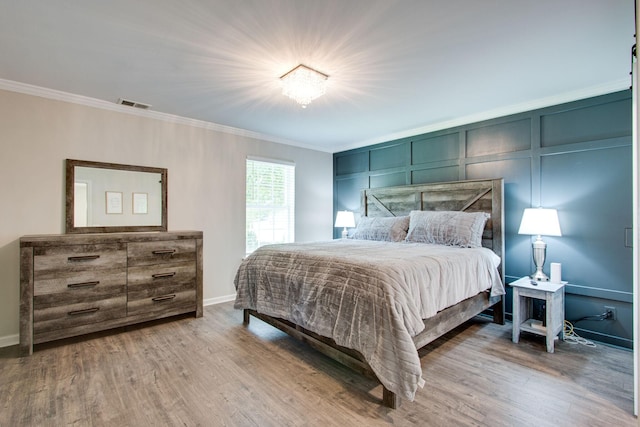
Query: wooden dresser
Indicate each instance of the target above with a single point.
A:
(74, 284)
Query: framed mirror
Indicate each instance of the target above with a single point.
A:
(109, 197)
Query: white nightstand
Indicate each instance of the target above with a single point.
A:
(524, 292)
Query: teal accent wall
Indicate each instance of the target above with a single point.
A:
(574, 157)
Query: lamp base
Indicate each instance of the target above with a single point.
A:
(345, 233)
(539, 254)
(539, 276)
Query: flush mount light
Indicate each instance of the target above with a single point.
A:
(304, 84)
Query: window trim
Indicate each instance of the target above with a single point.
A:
(290, 222)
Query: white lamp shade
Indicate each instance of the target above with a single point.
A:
(539, 221)
(345, 219)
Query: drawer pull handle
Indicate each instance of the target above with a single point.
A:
(164, 251)
(161, 275)
(85, 311)
(164, 298)
(83, 285)
(83, 257)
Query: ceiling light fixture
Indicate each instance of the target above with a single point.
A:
(304, 84)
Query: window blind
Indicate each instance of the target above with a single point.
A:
(270, 203)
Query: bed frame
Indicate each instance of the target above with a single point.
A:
(469, 196)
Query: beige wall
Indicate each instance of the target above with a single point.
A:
(205, 173)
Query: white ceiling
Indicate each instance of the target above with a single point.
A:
(397, 68)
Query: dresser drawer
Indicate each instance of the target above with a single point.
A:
(168, 287)
(167, 304)
(71, 288)
(165, 275)
(64, 261)
(51, 318)
(161, 252)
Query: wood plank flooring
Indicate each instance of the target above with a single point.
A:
(212, 371)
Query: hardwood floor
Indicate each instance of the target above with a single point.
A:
(212, 371)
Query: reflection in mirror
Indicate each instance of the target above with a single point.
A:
(80, 204)
(107, 197)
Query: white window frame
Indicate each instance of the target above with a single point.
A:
(269, 220)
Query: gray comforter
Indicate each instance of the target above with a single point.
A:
(366, 295)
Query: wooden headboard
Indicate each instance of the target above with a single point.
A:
(485, 195)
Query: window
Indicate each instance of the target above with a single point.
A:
(270, 203)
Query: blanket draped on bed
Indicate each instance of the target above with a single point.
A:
(366, 295)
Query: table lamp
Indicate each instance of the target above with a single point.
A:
(539, 222)
(345, 219)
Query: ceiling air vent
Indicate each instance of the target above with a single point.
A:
(135, 104)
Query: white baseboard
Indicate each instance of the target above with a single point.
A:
(219, 300)
(9, 340)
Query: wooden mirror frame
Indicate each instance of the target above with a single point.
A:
(70, 180)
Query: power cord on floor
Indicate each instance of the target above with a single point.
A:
(571, 337)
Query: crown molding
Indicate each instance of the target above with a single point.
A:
(58, 95)
(562, 98)
(535, 104)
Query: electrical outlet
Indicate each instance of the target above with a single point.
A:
(612, 310)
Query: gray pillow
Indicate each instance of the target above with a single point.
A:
(389, 229)
(449, 228)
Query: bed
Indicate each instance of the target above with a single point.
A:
(372, 301)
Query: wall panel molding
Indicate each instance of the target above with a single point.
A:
(569, 156)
